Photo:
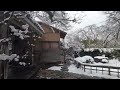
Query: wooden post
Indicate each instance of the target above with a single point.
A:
(84, 68)
(64, 56)
(118, 73)
(96, 69)
(109, 71)
(5, 69)
(102, 70)
(91, 69)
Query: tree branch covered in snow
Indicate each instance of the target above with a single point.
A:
(21, 34)
(10, 58)
(59, 19)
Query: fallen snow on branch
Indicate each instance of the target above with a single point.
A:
(7, 17)
(20, 33)
(22, 63)
(7, 57)
(25, 27)
(5, 39)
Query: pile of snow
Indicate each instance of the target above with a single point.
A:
(104, 60)
(84, 59)
(55, 68)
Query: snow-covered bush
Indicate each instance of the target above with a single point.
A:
(85, 59)
(104, 61)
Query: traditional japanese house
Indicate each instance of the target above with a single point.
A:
(50, 43)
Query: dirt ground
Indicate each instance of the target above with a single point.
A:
(50, 74)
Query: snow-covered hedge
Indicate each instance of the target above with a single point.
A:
(108, 52)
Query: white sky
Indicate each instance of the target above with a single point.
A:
(91, 17)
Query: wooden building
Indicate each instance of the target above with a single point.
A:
(48, 48)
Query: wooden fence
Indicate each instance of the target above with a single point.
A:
(109, 68)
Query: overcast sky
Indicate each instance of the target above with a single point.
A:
(91, 17)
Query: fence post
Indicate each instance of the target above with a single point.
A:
(84, 68)
(118, 73)
(96, 69)
(5, 69)
(109, 71)
(91, 69)
(102, 70)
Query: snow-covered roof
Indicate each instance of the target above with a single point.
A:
(62, 33)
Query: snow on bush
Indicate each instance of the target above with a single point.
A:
(104, 60)
(85, 59)
(109, 50)
(101, 57)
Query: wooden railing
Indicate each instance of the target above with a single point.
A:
(109, 68)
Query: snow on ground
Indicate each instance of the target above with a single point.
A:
(55, 68)
(111, 62)
(72, 68)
